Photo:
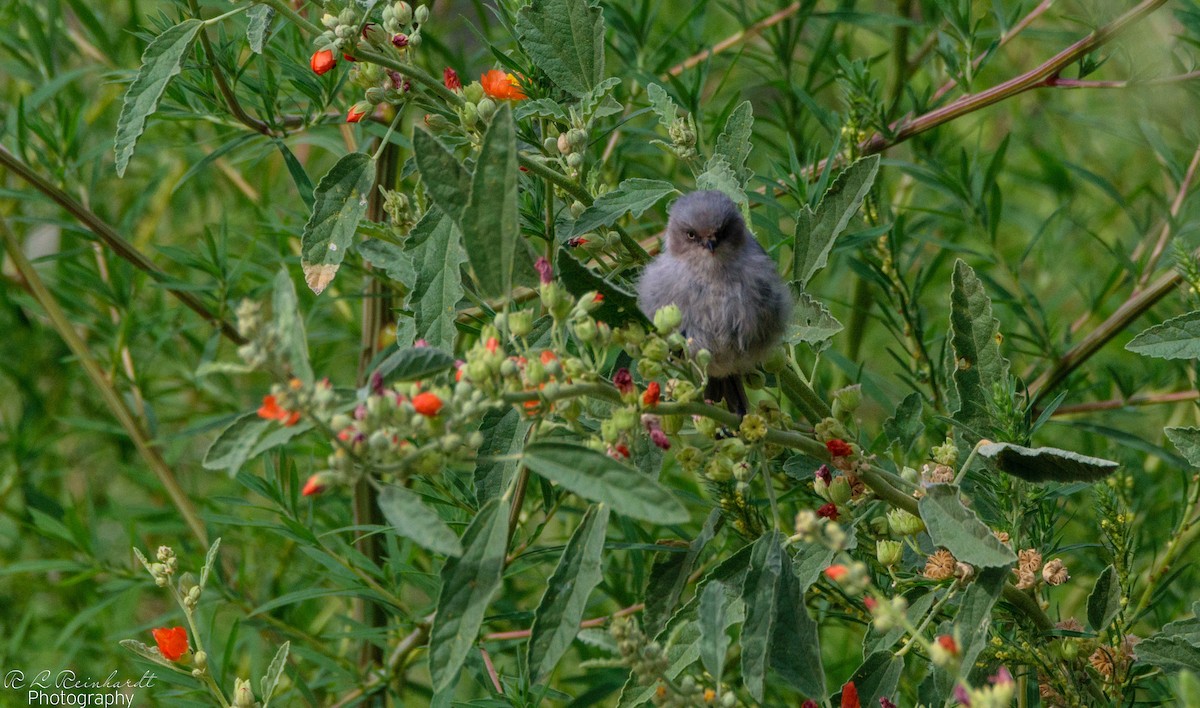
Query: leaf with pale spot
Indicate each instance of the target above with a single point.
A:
(341, 202)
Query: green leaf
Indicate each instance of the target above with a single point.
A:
(957, 528)
(1045, 464)
(565, 39)
(1187, 441)
(503, 437)
(437, 252)
(491, 224)
(903, 428)
(558, 615)
(974, 619)
(973, 335)
(877, 677)
(619, 306)
(759, 593)
(410, 518)
(415, 363)
(304, 185)
(795, 652)
(393, 260)
(733, 144)
(285, 314)
(714, 639)
(270, 680)
(161, 61)
(260, 17)
(1177, 338)
(232, 447)
(632, 196)
(1175, 647)
(468, 583)
(662, 104)
(596, 476)
(1104, 602)
(876, 641)
(599, 103)
(448, 181)
(341, 202)
(811, 322)
(541, 108)
(669, 576)
(816, 230)
(720, 176)
(210, 559)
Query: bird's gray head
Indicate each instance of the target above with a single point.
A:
(705, 224)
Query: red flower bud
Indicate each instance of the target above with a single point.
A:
(850, 696)
(315, 485)
(839, 448)
(653, 391)
(172, 642)
(828, 511)
(947, 642)
(544, 269)
(347, 57)
(450, 79)
(427, 404)
(836, 572)
(322, 61)
(623, 381)
(354, 115)
(400, 41)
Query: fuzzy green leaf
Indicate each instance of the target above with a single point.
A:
(161, 61)
(811, 322)
(436, 248)
(270, 680)
(960, 531)
(720, 176)
(1177, 338)
(1175, 647)
(795, 645)
(491, 224)
(619, 306)
(1104, 602)
(978, 363)
(733, 143)
(1046, 464)
(410, 518)
(714, 639)
(341, 202)
(816, 230)
(233, 446)
(1187, 441)
(415, 363)
(503, 437)
(468, 583)
(393, 260)
(541, 108)
(669, 576)
(448, 181)
(597, 477)
(210, 559)
(903, 428)
(877, 677)
(558, 615)
(759, 593)
(565, 39)
(662, 104)
(632, 196)
(260, 17)
(285, 313)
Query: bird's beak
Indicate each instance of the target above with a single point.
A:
(711, 245)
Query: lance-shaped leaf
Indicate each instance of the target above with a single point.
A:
(565, 39)
(1175, 647)
(1187, 441)
(270, 680)
(669, 575)
(415, 363)
(596, 476)
(795, 652)
(393, 260)
(618, 306)
(436, 248)
(260, 17)
(285, 313)
(973, 335)
(410, 518)
(1104, 602)
(503, 437)
(161, 61)
(468, 583)
(960, 531)
(760, 592)
(816, 230)
(491, 224)
(445, 177)
(341, 202)
(733, 144)
(1045, 464)
(877, 677)
(1177, 338)
(971, 626)
(235, 443)
(714, 639)
(558, 615)
(632, 196)
(903, 428)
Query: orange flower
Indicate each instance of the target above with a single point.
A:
(548, 356)
(836, 572)
(315, 484)
(172, 642)
(498, 84)
(355, 114)
(271, 410)
(650, 397)
(427, 404)
(322, 61)
(850, 696)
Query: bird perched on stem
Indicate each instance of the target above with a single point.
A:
(733, 302)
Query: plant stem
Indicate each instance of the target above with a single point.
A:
(112, 399)
(800, 393)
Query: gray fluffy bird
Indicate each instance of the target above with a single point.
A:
(733, 302)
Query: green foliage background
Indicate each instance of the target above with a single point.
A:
(1055, 196)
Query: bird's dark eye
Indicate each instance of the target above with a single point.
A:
(691, 235)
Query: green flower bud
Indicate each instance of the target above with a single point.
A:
(575, 160)
(839, 490)
(550, 144)
(344, 31)
(535, 373)
(403, 12)
(329, 21)
(509, 369)
(577, 208)
(486, 108)
(706, 426)
(625, 418)
(414, 39)
(847, 400)
(633, 334)
(346, 17)
(585, 329)
(667, 319)
(437, 123)
(754, 380)
(946, 453)
(903, 523)
(719, 469)
(473, 92)
(888, 553)
(655, 349)
(776, 360)
(650, 369)
(374, 95)
(520, 323)
(422, 14)
(703, 357)
(470, 116)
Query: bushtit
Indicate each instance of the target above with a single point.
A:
(733, 301)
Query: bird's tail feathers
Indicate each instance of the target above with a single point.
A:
(729, 389)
